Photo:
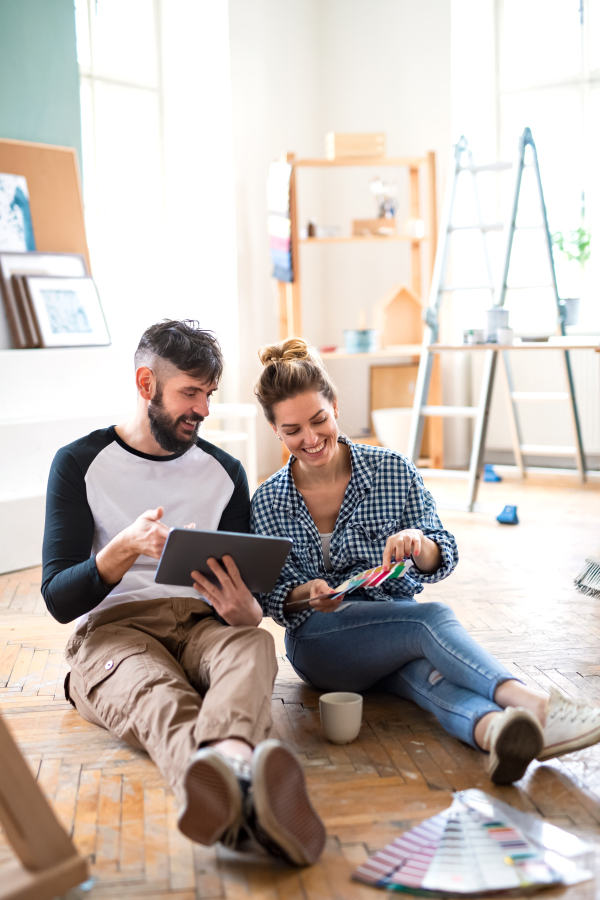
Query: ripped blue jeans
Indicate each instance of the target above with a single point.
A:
(418, 651)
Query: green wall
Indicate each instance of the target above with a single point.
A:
(39, 76)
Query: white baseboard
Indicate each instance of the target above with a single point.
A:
(21, 532)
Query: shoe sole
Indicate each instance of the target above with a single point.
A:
(213, 800)
(517, 745)
(282, 805)
(560, 749)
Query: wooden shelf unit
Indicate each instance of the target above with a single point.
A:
(290, 294)
(398, 350)
(357, 238)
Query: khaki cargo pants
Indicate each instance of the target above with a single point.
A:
(167, 677)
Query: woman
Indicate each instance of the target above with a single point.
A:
(349, 507)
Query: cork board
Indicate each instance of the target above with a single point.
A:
(55, 197)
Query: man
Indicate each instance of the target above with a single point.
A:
(157, 665)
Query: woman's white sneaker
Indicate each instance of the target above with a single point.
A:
(570, 725)
(515, 738)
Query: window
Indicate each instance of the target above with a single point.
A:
(158, 164)
(121, 108)
(549, 80)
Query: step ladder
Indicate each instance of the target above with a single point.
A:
(462, 161)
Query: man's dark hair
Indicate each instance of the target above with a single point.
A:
(191, 349)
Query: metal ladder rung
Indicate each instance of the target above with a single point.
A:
(547, 450)
(490, 226)
(527, 287)
(468, 412)
(539, 395)
(467, 287)
(487, 167)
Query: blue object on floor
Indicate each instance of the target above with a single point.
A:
(508, 516)
(490, 474)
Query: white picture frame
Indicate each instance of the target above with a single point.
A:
(68, 311)
(39, 263)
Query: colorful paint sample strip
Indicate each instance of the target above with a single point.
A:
(460, 852)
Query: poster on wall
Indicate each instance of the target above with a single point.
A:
(16, 229)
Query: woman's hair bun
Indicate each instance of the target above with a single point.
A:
(291, 367)
(285, 351)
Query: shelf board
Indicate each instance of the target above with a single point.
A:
(387, 353)
(410, 161)
(366, 239)
(554, 344)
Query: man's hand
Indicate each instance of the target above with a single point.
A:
(412, 542)
(231, 599)
(146, 536)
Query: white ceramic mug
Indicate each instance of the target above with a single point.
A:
(341, 716)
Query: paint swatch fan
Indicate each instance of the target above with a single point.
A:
(478, 845)
(368, 579)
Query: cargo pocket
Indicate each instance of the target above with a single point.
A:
(108, 663)
(110, 666)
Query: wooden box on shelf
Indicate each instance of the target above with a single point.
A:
(340, 146)
(377, 227)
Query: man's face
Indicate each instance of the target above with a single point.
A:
(177, 409)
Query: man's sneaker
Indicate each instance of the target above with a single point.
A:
(516, 738)
(278, 811)
(570, 725)
(215, 787)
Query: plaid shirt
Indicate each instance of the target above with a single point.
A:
(385, 495)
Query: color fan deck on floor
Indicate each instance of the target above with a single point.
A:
(402, 769)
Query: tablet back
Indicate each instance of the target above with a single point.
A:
(260, 559)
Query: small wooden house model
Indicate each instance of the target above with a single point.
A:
(398, 317)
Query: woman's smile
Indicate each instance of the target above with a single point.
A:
(315, 451)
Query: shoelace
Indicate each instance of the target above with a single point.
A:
(566, 705)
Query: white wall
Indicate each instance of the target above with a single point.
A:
(275, 97)
(49, 398)
(299, 69)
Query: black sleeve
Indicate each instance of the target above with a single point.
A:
(236, 515)
(71, 585)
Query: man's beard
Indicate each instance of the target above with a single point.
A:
(164, 428)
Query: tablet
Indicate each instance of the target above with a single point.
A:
(260, 559)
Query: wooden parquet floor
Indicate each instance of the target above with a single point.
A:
(512, 589)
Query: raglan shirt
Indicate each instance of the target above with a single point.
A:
(98, 486)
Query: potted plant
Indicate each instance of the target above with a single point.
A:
(573, 248)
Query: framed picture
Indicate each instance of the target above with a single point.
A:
(16, 229)
(67, 311)
(26, 314)
(56, 264)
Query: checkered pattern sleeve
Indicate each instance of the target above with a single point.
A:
(420, 512)
(265, 519)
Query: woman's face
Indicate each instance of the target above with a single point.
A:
(307, 426)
